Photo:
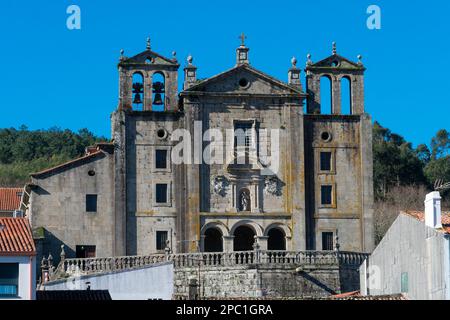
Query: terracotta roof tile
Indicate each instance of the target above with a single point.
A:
(16, 237)
(10, 198)
(420, 215)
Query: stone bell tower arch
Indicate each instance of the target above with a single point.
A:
(337, 69)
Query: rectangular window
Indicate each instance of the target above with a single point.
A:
(242, 141)
(243, 134)
(327, 241)
(325, 161)
(91, 203)
(161, 193)
(161, 159)
(161, 239)
(85, 251)
(326, 195)
(9, 279)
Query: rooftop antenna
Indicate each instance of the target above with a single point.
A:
(440, 185)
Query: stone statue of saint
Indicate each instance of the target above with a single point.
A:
(245, 200)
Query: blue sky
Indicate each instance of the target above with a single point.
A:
(52, 76)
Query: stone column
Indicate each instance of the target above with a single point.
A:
(202, 243)
(228, 243)
(262, 242)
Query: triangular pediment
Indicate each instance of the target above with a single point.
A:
(149, 56)
(336, 62)
(244, 79)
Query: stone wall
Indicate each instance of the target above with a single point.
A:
(247, 274)
(58, 207)
(254, 281)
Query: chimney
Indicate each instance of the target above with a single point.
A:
(433, 210)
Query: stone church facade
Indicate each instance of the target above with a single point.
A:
(132, 197)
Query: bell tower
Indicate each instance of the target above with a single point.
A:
(148, 81)
(339, 71)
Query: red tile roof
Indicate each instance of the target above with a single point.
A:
(16, 237)
(347, 294)
(420, 215)
(10, 199)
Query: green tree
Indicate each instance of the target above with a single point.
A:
(23, 151)
(440, 144)
(395, 161)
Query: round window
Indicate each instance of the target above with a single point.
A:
(326, 136)
(161, 133)
(243, 83)
(91, 173)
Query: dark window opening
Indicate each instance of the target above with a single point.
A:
(327, 241)
(161, 159)
(276, 240)
(326, 195)
(162, 133)
(325, 161)
(161, 193)
(85, 252)
(243, 82)
(91, 203)
(9, 279)
(161, 240)
(325, 136)
(213, 240)
(244, 238)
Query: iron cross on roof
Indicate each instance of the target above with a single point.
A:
(242, 37)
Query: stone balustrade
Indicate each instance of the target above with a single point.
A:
(70, 267)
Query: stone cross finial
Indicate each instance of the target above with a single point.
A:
(148, 43)
(243, 37)
(334, 48)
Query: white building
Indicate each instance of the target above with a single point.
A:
(17, 260)
(414, 256)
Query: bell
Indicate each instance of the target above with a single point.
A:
(158, 101)
(137, 99)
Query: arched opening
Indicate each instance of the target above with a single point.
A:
(158, 92)
(138, 91)
(346, 96)
(244, 200)
(276, 239)
(213, 240)
(326, 97)
(244, 238)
